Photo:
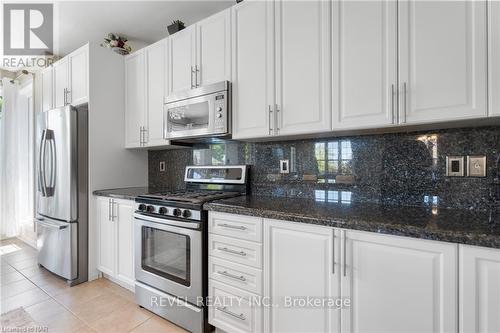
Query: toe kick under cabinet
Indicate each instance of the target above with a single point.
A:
(297, 277)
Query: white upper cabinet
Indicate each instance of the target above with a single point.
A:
(397, 283)
(299, 262)
(443, 55)
(364, 55)
(479, 289)
(47, 91)
(253, 69)
(182, 60)
(156, 80)
(135, 103)
(61, 79)
(494, 57)
(78, 76)
(213, 49)
(303, 90)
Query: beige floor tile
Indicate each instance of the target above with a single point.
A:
(34, 270)
(25, 263)
(6, 268)
(15, 288)
(157, 324)
(20, 256)
(24, 299)
(125, 293)
(64, 322)
(47, 308)
(84, 329)
(99, 307)
(45, 277)
(11, 277)
(76, 296)
(122, 320)
(53, 286)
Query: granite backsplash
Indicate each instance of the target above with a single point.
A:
(400, 169)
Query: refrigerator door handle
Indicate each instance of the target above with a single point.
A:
(41, 164)
(49, 136)
(51, 225)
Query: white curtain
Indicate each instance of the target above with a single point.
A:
(16, 188)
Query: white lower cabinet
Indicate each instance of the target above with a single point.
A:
(479, 289)
(116, 240)
(398, 284)
(380, 283)
(300, 263)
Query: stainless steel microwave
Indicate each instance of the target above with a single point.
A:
(198, 113)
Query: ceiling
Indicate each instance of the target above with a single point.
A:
(142, 22)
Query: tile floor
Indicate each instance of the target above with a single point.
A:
(96, 306)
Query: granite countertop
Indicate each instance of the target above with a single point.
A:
(480, 228)
(127, 193)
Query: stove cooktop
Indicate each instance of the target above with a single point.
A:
(193, 197)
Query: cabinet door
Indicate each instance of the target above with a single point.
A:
(299, 262)
(78, 76)
(213, 48)
(134, 98)
(60, 82)
(156, 74)
(364, 78)
(479, 289)
(442, 63)
(493, 57)
(124, 221)
(303, 58)
(397, 284)
(182, 59)
(47, 89)
(107, 237)
(253, 69)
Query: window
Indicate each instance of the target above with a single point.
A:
(333, 158)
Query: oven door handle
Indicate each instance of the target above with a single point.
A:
(181, 224)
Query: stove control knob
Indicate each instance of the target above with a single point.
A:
(150, 209)
(177, 212)
(186, 213)
(163, 210)
(142, 207)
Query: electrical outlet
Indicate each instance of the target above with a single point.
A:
(476, 166)
(162, 166)
(284, 166)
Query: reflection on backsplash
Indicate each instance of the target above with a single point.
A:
(404, 168)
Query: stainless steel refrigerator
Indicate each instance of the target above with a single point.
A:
(62, 192)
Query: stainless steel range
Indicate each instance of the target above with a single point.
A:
(171, 254)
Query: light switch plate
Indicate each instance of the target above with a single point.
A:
(455, 166)
(284, 166)
(476, 166)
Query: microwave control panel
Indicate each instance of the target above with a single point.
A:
(220, 121)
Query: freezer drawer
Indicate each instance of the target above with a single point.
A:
(57, 247)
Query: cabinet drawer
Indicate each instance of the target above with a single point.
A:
(236, 275)
(238, 226)
(235, 250)
(233, 310)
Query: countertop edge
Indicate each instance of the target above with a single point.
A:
(466, 238)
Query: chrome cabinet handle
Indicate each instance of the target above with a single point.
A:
(277, 118)
(224, 309)
(144, 135)
(270, 115)
(140, 136)
(192, 72)
(345, 255)
(392, 102)
(197, 75)
(64, 96)
(68, 100)
(113, 210)
(404, 99)
(225, 273)
(224, 225)
(225, 249)
(109, 210)
(333, 252)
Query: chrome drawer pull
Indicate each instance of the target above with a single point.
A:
(239, 316)
(225, 273)
(225, 249)
(224, 225)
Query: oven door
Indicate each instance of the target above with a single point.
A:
(169, 257)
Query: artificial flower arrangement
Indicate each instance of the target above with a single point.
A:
(117, 43)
